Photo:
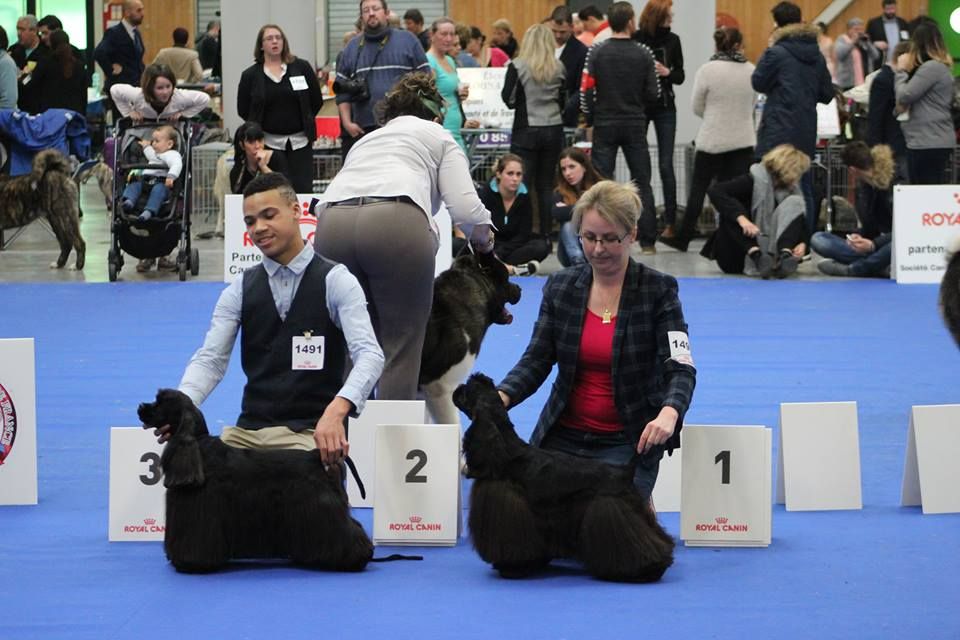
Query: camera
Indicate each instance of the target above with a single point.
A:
(356, 88)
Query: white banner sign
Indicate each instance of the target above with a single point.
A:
(240, 253)
(18, 422)
(137, 495)
(484, 103)
(925, 220)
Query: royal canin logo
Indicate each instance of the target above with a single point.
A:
(942, 218)
(149, 526)
(415, 523)
(415, 519)
(8, 424)
(721, 520)
(722, 524)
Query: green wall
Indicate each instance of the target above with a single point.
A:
(940, 11)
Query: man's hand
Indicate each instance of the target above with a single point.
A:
(860, 244)
(353, 129)
(881, 44)
(329, 434)
(749, 229)
(658, 430)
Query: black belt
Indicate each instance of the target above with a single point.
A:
(356, 202)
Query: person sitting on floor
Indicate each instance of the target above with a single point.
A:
(761, 228)
(575, 174)
(866, 253)
(509, 204)
(159, 150)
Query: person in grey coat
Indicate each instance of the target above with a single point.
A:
(924, 87)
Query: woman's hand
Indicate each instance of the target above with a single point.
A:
(471, 124)
(799, 250)
(173, 116)
(136, 117)
(749, 229)
(860, 244)
(504, 398)
(263, 158)
(481, 238)
(662, 71)
(658, 430)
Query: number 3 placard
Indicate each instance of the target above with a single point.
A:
(136, 486)
(417, 484)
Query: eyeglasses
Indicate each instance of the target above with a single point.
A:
(609, 239)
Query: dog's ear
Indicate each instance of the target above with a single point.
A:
(181, 461)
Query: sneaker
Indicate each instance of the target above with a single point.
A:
(145, 265)
(649, 250)
(206, 235)
(763, 262)
(786, 265)
(528, 269)
(166, 264)
(833, 268)
(126, 205)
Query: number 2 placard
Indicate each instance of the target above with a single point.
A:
(725, 488)
(136, 486)
(417, 484)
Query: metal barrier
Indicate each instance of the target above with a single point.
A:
(204, 205)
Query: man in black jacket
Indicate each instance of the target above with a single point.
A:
(887, 30)
(120, 53)
(793, 75)
(882, 124)
(573, 54)
(27, 53)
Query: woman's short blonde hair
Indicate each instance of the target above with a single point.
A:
(615, 202)
(786, 164)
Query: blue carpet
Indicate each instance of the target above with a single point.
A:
(884, 571)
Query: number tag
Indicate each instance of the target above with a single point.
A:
(307, 354)
(299, 83)
(680, 347)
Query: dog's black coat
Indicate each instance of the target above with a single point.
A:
(50, 191)
(950, 293)
(467, 299)
(529, 505)
(228, 503)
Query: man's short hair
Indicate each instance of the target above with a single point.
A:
(887, 3)
(270, 182)
(414, 16)
(51, 22)
(786, 13)
(180, 36)
(31, 21)
(854, 22)
(562, 14)
(590, 11)
(619, 14)
(383, 3)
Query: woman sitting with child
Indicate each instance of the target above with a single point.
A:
(509, 204)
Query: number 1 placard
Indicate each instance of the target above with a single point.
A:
(137, 496)
(417, 484)
(725, 487)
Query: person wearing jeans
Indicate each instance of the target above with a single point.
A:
(854, 256)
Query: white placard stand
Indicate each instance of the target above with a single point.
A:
(818, 464)
(18, 422)
(926, 219)
(931, 476)
(137, 496)
(362, 431)
(417, 485)
(666, 492)
(239, 252)
(725, 487)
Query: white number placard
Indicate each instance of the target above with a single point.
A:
(926, 218)
(818, 464)
(931, 476)
(239, 252)
(137, 495)
(725, 487)
(362, 433)
(417, 484)
(18, 422)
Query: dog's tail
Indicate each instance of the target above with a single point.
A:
(621, 540)
(950, 291)
(47, 161)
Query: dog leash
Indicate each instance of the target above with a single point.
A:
(363, 494)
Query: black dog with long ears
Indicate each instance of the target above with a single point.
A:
(950, 293)
(226, 503)
(467, 299)
(529, 505)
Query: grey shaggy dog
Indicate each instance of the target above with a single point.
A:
(49, 191)
(950, 292)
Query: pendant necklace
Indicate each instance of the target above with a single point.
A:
(607, 316)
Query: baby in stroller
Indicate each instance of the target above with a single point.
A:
(160, 150)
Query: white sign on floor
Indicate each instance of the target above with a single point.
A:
(417, 485)
(137, 496)
(926, 218)
(362, 433)
(725, 487)
(240, 253)
(666, 492)
(818, 464)
(18, 422)
(931, 476)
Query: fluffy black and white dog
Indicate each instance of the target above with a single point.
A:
(467, 299)
(228, 503)
(529, 505)
(950, 292)
(49, 191)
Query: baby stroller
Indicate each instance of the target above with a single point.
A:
(156, 237)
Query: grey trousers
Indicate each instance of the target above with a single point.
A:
(391, 249)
